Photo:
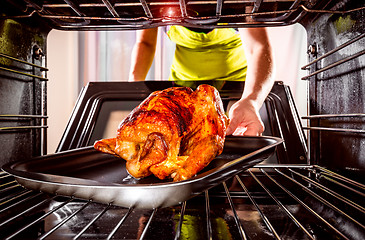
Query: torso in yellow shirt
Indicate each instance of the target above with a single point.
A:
(216, 55)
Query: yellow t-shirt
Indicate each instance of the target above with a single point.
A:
(216, 55)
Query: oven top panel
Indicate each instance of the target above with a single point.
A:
(137, 14)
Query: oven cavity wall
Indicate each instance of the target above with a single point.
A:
(336, 78)
(23, 86)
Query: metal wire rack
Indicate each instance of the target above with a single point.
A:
(133, 14)
(267, 202)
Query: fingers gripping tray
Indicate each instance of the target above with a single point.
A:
(88, 174)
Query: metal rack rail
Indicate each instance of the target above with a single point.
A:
(32, 117)
(23, 73)
(315, 71)
(348, 43)
(329, 53)
(325, 116)
(302, 195)
(23, 62)
(17, 117)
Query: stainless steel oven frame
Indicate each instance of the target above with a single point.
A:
(313, 189)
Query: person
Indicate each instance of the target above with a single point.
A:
(220, 54)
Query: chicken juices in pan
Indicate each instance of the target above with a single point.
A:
(173, 133)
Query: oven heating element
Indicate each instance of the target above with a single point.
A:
(105, 14)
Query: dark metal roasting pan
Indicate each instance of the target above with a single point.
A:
(88, 174)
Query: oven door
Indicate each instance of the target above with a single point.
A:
(102, 105)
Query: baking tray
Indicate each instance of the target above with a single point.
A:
(92, 175)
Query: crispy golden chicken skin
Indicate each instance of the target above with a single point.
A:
(173, 133)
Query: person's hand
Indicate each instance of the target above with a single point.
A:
(245, 119)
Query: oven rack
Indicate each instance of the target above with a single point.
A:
(105, 14)
(303, 197)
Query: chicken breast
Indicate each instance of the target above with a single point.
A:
(173, 133)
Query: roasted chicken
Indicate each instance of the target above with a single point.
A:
(173, 133)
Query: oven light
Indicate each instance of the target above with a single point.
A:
(170, 12)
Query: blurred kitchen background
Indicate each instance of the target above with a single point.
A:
(75, 58)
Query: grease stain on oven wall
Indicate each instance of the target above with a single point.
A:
(344, 24)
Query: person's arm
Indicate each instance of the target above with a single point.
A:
(244, 114)
(143, 54)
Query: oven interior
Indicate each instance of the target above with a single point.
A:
(312, 188)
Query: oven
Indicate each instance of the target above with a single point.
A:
(311, 187)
